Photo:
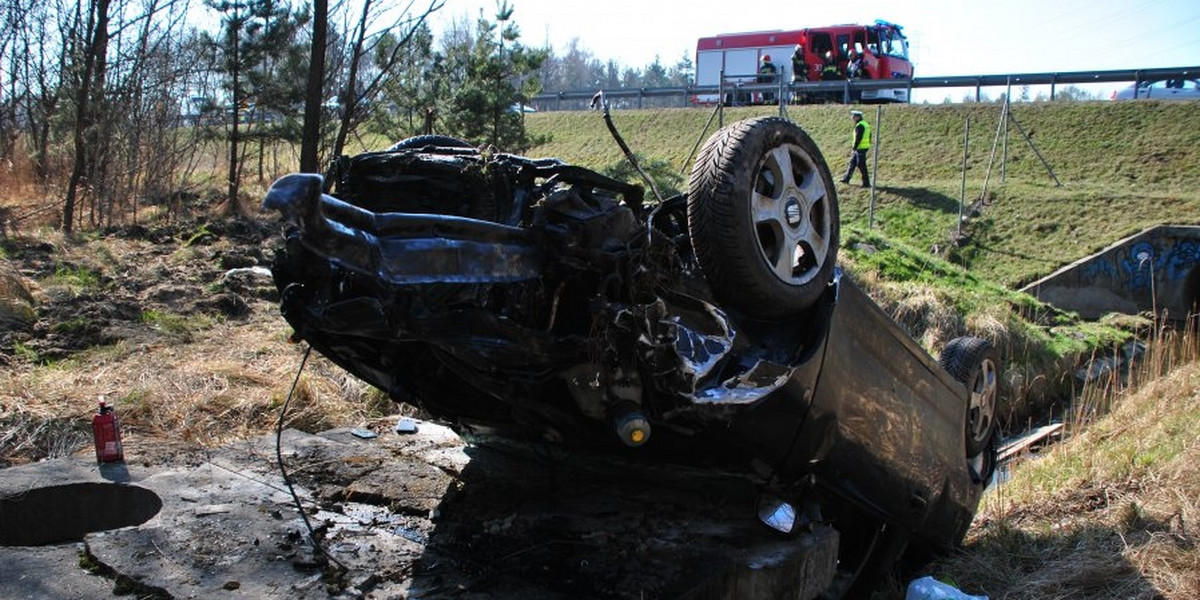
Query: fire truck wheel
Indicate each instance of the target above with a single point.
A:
(423, 141)
(763, 217)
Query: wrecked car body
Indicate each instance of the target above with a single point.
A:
(537, 297)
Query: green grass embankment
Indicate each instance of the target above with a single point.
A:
(1124, 166)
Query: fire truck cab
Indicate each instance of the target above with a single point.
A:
(825, 54)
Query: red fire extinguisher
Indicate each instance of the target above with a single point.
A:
(106, 429)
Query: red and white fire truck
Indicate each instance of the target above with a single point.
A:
(806, 55)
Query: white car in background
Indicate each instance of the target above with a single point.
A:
(1163, 89)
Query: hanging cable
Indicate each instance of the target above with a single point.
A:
(600, 102)
(312, 536)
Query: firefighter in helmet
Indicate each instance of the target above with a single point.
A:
(799, 65)
(830, 69)
(799, 71)
(767, 73)
(854, 68)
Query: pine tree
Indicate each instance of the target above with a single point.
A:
(263, 65)
(491, 77)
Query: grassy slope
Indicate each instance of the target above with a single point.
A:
(1123, 166)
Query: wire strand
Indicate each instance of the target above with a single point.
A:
(312, 536)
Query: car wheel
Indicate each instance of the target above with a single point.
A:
(973, 361)
(422, 141)
(763, 217)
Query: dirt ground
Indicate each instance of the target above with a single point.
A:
(95, 292)
(175, 325)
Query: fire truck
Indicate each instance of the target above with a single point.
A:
(806, 55)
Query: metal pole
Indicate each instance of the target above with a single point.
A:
(721, 101)
(1029, 141)
(779, 93)
(1004, 159)
(875, 165)
(962, 194)
(992, 157)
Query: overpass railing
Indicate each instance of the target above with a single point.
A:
(686, 95)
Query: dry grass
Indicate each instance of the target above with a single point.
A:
(180, 375)
(1112, 513)
(228, 383)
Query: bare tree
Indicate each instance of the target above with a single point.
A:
(13, 18)
(314, 93)
(94, 61)
(143, 139)
(355, 94)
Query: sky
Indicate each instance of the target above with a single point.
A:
(946, 37)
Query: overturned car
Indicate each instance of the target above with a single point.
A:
(537, 297)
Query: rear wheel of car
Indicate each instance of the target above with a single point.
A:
(763, 217)
(973, 361)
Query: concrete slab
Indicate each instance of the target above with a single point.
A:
(423, 515)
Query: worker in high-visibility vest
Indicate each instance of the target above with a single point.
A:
(858, 152)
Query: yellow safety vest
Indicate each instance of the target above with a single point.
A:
(865, 142)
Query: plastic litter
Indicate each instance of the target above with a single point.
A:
(928, 588)
(365, 434)
(406, 425)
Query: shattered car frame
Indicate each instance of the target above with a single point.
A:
(542, 298)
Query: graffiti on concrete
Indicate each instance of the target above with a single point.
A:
(1154, 269)
(1100, 268)
(1184, 255)
(1138, 262)
(1142, 262)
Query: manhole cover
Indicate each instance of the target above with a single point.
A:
(65, 513)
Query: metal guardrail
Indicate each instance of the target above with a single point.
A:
(553, 101)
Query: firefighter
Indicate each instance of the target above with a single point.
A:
(830, 70)
(861, 142)
(799, 65)
(854, 67)
(767, 74)
(799, 72)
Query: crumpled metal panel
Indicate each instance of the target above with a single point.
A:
(402, 248)
(703, 343)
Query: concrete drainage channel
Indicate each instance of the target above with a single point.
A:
(65, 513)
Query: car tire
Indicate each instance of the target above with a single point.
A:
(423, 141)
(973, 361)
(763, 217)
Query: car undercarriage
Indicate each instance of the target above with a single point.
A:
(542, 299)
